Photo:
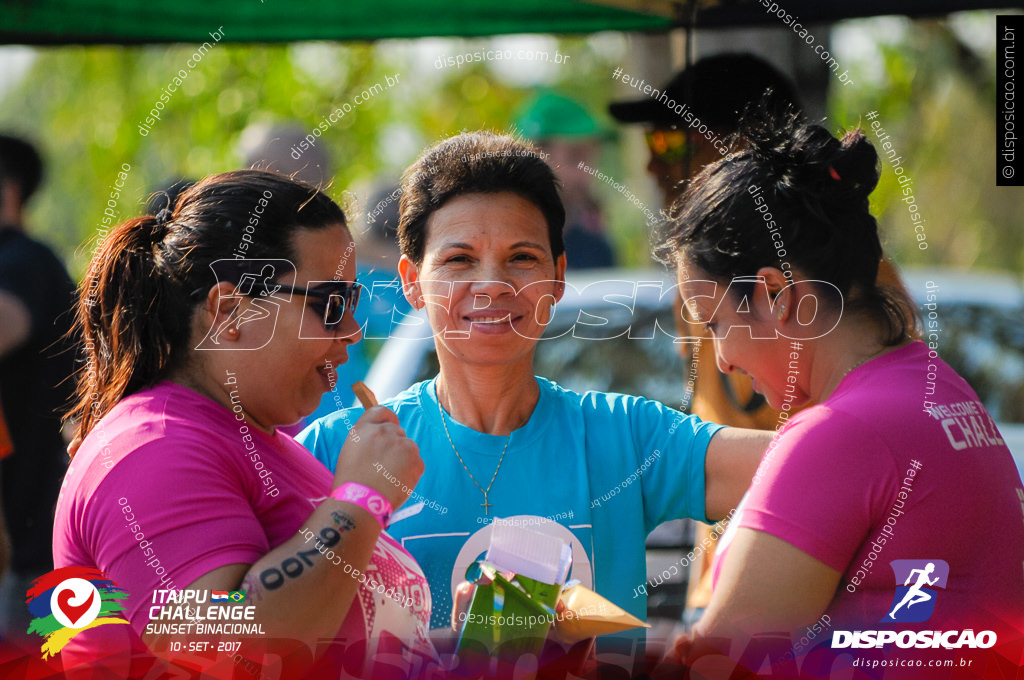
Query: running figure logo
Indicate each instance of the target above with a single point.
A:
(915, 602)
(245, 287)
(257, 281)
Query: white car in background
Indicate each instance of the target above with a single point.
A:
(981, 335)
(607, 334)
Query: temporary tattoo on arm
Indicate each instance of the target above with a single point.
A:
(251, 586)
(293, 567)
(342, 520)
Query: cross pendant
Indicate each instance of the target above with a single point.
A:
(486, 505)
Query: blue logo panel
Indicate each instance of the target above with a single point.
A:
(917, 585)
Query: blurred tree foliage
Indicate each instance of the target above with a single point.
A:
(83, 106)
(935, 97)
(933, 94)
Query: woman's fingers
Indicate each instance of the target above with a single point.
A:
(460, 607)
(379, 455)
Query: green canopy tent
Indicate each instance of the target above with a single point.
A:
(57, 22)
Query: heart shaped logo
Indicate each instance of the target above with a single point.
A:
(69, 600)
(73, 612)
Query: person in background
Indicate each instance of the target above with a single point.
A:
(716, 91)
(377, 268)
(865, 484)
(568, 136)
(282, 148)
(378, 243)
(36, 362)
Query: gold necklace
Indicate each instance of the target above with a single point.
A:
(857, 365)
(466, 468)
(863, 361)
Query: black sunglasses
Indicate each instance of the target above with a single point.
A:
(330, 299)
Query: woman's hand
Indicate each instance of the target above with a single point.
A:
(460, 606)
(378, 454)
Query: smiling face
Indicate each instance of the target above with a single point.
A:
(745, 332)
(281, 366)
(487, 278)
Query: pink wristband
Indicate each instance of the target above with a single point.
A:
(366, 498)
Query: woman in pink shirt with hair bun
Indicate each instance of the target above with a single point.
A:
(885, 520)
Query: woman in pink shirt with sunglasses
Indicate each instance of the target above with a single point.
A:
(206, 328)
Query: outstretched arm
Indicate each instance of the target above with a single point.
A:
(732, 458)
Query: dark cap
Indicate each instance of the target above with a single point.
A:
(716, 89)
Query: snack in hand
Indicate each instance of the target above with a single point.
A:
(364, 394)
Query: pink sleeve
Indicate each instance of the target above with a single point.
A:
(830, 477)
(169, 513)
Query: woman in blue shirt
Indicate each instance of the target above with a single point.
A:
(481, 237)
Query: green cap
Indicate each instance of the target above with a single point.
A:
(547, 115)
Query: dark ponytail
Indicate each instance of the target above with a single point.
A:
(136, 303)
(814, 188)
(128, 317)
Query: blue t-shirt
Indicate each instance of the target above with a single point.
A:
(600, 470)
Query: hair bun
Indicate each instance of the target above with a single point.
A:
(799, 157)
(805, 158)
(856, 164)
(769, 135)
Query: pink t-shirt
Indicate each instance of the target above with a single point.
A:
(171, 485)
(870, 477)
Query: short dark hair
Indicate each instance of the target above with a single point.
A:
(20, 162)
(476, 163)
(816, 189)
